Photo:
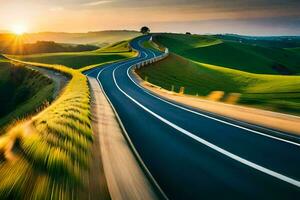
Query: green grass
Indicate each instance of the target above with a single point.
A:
(52, 149)
(118, 47)
(275, 92)
(295, 50)
(3, 59)
(100, 38)
(111, 53)
(235, 55)
(74, 60)
(152, 45)
(22, 91)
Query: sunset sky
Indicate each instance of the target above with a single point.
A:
(252, 17)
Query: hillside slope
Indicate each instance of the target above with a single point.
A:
(114, 52)
(250, 58)
(100, 38)
(275, 92)
(22, 91)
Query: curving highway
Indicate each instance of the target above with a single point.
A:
(193, 154)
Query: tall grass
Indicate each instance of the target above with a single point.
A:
(47, 156)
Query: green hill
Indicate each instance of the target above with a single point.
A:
(274, 92)
(74, 60)
(250, 58)
(2, 58)
(265, 41)
(114, 52)
(295, 50)
(122, 46)
(100, 38)
(22, 91)
(44, 47)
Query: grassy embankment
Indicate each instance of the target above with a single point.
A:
(275, 92)
(47, 157)
(22, 91)
(153, 46)
(51, 151)
(235, 55)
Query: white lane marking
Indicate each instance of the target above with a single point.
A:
(135, 60)
(129, 140)
(97, 67)
(116, 63)
(213, 118)
(206, 143)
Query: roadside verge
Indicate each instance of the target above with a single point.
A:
(125, 179)
(269, 119)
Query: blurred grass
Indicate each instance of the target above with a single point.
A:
(54, 146)
(51, 151)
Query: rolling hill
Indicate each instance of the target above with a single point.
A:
(203, 64)
(246, 57)
(100, 38)
(76, 60)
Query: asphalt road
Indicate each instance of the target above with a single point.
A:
(196, 155)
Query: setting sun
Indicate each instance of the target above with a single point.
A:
(18, 29)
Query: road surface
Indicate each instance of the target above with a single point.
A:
(194, 155)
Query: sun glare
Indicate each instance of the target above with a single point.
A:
(18, 29)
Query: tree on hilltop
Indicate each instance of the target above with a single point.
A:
(145, 30)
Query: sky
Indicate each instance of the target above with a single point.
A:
(248, 17)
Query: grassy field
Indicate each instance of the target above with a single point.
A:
(153, 46)
(22, 91)
(51, 151)
(76, 60)
(118, 47)
(100, 38)
(275, 92)
(245, 57)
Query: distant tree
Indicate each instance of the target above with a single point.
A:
(145, 30)
(188, 33)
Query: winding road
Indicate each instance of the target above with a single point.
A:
(196, 155)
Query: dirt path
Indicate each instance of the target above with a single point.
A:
(274, 120)
(125, 179)
(59, 79)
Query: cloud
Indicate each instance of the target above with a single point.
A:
(96, 3)
(57, 9)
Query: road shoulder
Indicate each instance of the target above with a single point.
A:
(268, 119)
(124, 176)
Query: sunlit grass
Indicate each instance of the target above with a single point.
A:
(55, 145)
(47, 156)
(274, 92)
